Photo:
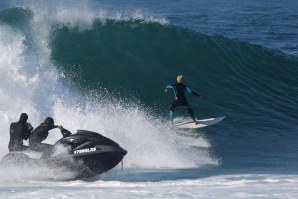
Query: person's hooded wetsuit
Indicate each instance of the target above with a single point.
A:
(41, 133)
(19, 131)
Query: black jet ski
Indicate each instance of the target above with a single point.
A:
(88, 153)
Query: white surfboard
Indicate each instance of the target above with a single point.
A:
(202, 123)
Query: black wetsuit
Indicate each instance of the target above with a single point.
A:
(180, 99)
(19, 131)
(40, 134)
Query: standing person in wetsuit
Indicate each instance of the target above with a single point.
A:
(41, 133)
(19, 131)
(180, 99)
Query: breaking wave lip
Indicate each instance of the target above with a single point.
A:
(75, 15)
(73, 18)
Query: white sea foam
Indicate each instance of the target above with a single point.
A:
(226, 186)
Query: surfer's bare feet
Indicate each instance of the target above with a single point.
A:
(196, 123)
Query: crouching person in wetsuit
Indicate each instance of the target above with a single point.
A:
(41, 133)
(180, 99)
(19, 131)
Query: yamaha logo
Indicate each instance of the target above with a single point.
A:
(87, 150)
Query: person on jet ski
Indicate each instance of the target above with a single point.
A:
(41, 133)
(180, 99)
(19, 131)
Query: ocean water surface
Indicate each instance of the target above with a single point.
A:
(102, 66)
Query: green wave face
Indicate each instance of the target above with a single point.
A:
(138, 58)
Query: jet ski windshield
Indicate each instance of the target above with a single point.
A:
(85, 138)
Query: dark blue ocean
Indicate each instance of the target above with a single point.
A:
(102, 66)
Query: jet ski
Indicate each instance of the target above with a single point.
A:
(86, 152)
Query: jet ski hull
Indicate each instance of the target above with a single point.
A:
(86, 153)
(98, 163)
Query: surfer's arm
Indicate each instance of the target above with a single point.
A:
(192, 92)
(168, 87)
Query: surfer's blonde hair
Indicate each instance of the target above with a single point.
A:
(180, 78)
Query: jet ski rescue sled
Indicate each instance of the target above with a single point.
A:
(88, 153)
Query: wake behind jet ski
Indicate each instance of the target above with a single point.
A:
(87, 153)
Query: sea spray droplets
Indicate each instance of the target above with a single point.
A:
(150, 144)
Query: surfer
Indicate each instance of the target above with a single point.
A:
(41, 133)
(180, 99)
(19, 131)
